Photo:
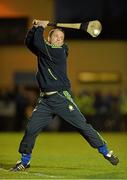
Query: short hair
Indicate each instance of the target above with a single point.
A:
(52, 31)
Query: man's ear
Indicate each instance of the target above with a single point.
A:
(49, 39)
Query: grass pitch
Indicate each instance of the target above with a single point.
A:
(63, 156)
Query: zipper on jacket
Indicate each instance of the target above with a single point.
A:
(50, 72)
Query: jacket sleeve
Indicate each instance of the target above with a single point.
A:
(38, 41)
(29, 40)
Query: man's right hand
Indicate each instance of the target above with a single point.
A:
(37, 23)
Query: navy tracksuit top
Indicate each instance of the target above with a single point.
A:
(52, 70)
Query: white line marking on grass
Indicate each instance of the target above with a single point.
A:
(42, 175)
(46, 175)
(35, 174)
(3, 169)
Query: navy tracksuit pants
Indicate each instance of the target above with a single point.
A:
(62, 105)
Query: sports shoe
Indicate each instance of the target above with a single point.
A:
(20, 167)
(113, 159)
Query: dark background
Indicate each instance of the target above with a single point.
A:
(111, 13)
(13, 30)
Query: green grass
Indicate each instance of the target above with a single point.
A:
(63, 156)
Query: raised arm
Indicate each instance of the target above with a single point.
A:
(34, 39)
(38, 40)
(29, 40)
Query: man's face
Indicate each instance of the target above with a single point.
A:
(56, 38)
